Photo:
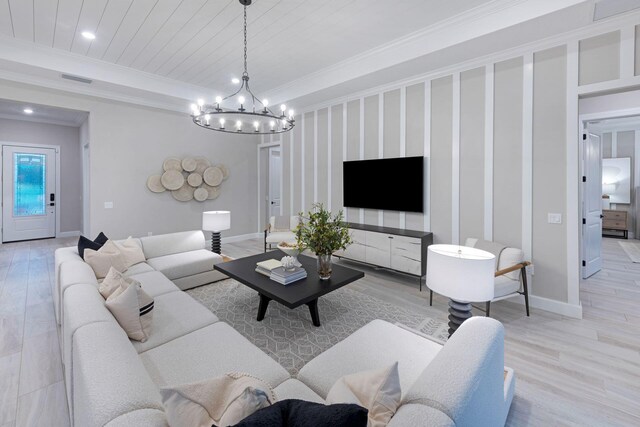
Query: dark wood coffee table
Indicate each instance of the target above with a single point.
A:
(305, 291)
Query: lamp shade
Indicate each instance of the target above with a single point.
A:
(216, 220)
(461, 273)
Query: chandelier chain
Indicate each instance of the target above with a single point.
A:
(245, 42)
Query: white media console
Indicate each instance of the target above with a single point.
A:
(404, 251)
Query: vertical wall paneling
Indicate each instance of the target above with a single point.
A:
(371, 145)
(344, 148)
(296, 166)
(309, 159)
(315, 156)
(380, 144)
(391, 133)
(572, 182)
(403, 140)
(606, 145)
(455, 161)
(260, 183)
(427, 154)
(627, 52)
(507, 152)
(599, 58)
(488, 153)
(527, 153)
(414, 140)
(361, 147)
(637, 50)
(329, 159)
(323, 160)
(441, 158)
(302, 171)
(285, 192)
(472, 153)
(352, 142)
(549, 173)
(338, 154)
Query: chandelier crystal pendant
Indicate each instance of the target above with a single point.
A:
(242, 112)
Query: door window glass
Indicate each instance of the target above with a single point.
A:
(29, 184)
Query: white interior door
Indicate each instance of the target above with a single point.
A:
(28, 193)
(275, 177)
(592, 206)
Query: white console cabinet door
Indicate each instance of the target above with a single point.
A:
(357, 249)
(406, 254)
(379, 249)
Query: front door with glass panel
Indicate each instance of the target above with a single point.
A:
(28, 193)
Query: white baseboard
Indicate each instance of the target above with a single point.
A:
(553, 306)
(241, 237)
(233, 239)
(68, 234)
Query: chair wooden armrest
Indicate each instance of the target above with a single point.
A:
(268, 229)
(519, 266)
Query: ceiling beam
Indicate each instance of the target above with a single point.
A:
(61, 61)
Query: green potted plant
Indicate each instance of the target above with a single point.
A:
(323, 234)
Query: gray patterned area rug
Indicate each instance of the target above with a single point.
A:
(288, 335)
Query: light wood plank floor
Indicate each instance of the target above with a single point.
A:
(568, 372)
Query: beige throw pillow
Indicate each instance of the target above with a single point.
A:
(131, 252)
(133, 309)
(104, 258)
(115, 282)
(221, 401)
(377, 390)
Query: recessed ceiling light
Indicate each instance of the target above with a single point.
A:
(88, 35)
(235, 80)
(28, 111)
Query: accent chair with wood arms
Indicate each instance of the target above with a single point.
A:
(510, 275)
(280, 229)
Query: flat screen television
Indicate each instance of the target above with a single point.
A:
(387, 184)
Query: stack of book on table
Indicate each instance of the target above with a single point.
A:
(273, 269)
(265, 267)
(284, 277)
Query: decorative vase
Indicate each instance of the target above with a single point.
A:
(324, 266)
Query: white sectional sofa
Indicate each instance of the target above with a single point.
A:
(113, 381)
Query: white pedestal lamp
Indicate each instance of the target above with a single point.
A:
(463, 274)
(216, 221)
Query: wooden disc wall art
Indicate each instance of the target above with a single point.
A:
(191, 178)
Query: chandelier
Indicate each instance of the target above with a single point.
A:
(242, 112)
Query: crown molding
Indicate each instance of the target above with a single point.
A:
(477, 22)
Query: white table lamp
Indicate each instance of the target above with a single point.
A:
(216, 221)
(464, 275)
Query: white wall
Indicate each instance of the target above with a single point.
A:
(129, 143)
(68, 138)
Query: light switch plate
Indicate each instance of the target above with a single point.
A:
(554, 218)
(108, 205)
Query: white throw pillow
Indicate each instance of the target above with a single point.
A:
(377, 390)
(131, 252)
(133, 309)
(104, 258)
(115, 282)
(221, 401)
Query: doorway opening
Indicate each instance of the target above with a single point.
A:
(610, 196)
(42, 173)
(270, 186)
